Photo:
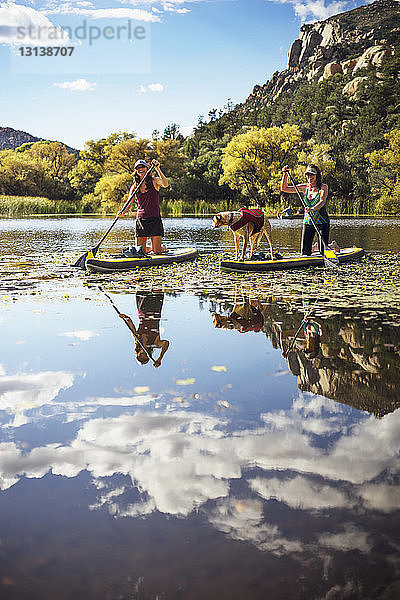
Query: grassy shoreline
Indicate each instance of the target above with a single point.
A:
(27, 206)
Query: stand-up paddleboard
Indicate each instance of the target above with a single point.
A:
(290, 262)
(112, 264)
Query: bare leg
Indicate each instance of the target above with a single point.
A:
(157, 245)
(142, 241)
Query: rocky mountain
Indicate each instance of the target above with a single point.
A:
(344, 43)
(13, 138)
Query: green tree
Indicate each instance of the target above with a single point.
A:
(252, 161)
(385, 174)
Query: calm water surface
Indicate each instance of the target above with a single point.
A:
(230, 471)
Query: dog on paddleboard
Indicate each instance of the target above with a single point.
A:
(249, 224)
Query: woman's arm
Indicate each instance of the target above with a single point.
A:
(323, 196)
(161, 180)
(164, 345)
(290, 189)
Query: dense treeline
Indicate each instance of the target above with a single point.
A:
(236, 154)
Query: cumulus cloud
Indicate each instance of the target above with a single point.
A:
(22, 24)
(351, 538)
(82, 334)
(180, 460)
(77, 9)
(244, 520)
(316, 10)
(152, 87)
(22, 392)
(301, 493)
(79, 85)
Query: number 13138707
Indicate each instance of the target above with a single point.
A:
(46, 50)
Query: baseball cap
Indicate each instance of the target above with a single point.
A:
(141, 163)
(311, 170)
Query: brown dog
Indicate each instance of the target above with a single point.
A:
(249, 224)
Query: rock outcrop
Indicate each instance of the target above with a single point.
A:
(342, 44)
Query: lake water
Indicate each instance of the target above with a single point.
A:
(231, 470)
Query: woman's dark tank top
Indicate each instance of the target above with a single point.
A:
(148, 203)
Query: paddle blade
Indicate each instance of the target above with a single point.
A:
(81, 262)
(330, 258)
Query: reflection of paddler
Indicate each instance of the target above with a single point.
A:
(306, 338)
(147, 334)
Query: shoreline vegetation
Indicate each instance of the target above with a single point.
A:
(31, 206)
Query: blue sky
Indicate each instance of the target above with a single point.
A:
(183, 58)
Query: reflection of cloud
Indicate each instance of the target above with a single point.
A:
(381, 496)
(243, 520)
(350, 539)
(22, 392)
(81, 334)
(179, 460)
(300, 492)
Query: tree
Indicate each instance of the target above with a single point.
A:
(252, 161)
(56, 158)
(171, 132)
(385, 174)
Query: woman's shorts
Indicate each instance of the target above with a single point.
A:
(150, 227)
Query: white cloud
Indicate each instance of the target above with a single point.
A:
(349, 539)
(79, 85)
(316, 10)
(134, 14)
(179, 460)
(22, 24)
(300, 493)
(22, 392)
(244, 520)
(152, 87)
(82, 334)
(156, 87)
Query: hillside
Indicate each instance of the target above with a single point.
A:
(344, 43)
(14, 138)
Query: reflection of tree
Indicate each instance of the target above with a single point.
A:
(356, 360)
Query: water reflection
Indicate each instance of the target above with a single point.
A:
(147, 334)
(351, 357)
(123, 491)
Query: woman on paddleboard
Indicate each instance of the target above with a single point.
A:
(315, 197)
(148, 216)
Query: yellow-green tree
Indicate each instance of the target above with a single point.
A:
(24, 175)
(113, 189)
(253, 160)
(316, 154)
(122, 156)
(54, 156)
(385, 174)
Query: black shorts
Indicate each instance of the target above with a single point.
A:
(150, 227)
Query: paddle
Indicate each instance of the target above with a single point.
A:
(330, 258)
(307, 316)
(135, 335)
(92, 253)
